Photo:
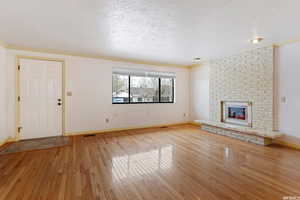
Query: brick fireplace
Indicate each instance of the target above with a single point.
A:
(241, 92)
(246, 77)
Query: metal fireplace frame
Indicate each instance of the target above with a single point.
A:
(226, 119)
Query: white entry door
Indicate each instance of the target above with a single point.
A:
(40, 98)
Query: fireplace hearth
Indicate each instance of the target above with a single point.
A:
(237, 113)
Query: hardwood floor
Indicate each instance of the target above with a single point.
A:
(162, 164)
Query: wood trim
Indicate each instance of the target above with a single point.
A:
(7, 140)
(195, 123)
(195, 65)
(200, 64)
(275, 89)
(17, 93)
(3, 142)
(123, 129)
(287, 144)
(287, 42)
(115, 59)
(3, 44)
(40, 58)
(288, 141)
(18, 58)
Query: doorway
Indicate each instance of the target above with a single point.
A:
(40, 98)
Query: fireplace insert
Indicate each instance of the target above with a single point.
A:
(238, 113)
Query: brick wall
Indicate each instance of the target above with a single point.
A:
(248, 76)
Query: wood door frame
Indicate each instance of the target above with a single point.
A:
(18, 90)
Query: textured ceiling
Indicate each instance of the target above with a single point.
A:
(166, 31)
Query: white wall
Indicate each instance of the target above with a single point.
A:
(3, 97)
(199, 89)
(90, 81)
(289, 87)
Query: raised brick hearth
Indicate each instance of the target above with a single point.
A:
(242, 133)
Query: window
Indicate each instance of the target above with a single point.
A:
(144, 89)
(133, 87)
(166, 89)
(120, 88)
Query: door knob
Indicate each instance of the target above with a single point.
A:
(59, 104)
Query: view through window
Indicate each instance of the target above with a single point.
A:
(142, 89)
(120, 88)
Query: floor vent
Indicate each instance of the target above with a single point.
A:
(89, 135)
(164, 127)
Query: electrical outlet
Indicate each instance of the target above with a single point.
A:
(106, 120)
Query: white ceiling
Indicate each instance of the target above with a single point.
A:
(166, 31)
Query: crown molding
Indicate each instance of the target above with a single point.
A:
(68, 53)
(3, 44)
(115, 59)
(194, 66)
(204, 62)
(287, 42)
